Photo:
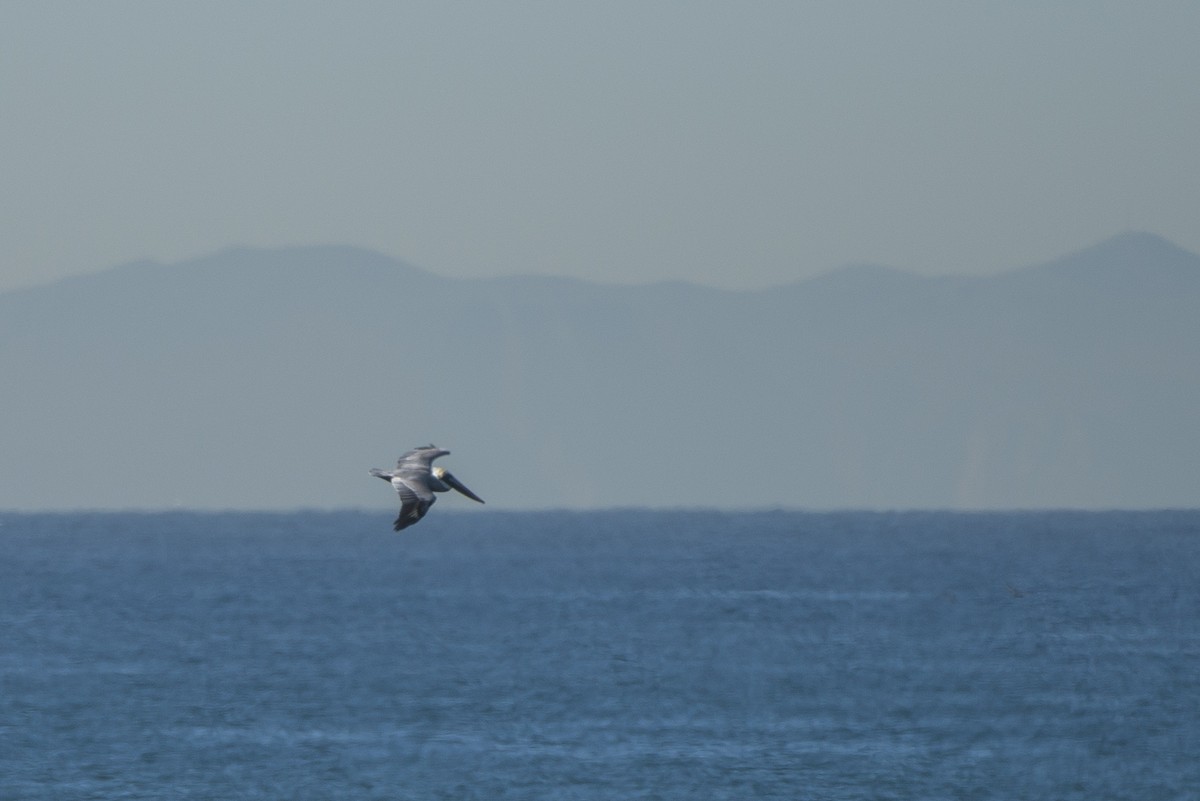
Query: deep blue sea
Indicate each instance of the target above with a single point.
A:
(607, 655)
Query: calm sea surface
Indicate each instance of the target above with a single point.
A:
(613, 655)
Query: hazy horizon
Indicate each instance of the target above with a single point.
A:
(272, 379)
(631, 282)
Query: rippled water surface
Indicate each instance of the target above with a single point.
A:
(668, 655)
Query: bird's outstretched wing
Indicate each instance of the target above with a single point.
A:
(415, 500)
(418, 460)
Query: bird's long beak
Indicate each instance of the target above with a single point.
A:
(449, 478)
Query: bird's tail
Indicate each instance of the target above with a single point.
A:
(385, 475)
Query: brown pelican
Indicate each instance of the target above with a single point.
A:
(415, 482)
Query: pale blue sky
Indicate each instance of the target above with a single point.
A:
(733, 144)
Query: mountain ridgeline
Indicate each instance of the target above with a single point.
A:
(266, 379)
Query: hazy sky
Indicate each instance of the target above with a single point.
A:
(735, 144)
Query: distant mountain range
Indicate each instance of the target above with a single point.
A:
(274, 378)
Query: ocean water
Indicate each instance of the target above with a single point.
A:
(609, 655)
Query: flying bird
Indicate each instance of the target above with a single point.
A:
(415, 480)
